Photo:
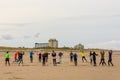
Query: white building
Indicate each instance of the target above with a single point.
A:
(40, 45)
(53, 43)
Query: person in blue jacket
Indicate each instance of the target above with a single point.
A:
(75, 56)
(31, 56)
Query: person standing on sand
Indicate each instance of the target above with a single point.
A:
(102, 61)
(43, 59)
(54, 58)
(91, 57)
(60, 57)
(39, 56)
(31, 56)
(7, 58)
(71, 57)
(75, 59)
(16, 57)
(110, 58)
(47, 55)
(94, 58)
(83, 56)
(20, 58)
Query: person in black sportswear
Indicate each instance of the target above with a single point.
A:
(110, 58)
(94, 58)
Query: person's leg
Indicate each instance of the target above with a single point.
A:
(71, 60)
(54, 62)
(100, 62)
(15, 59)
(105, 62)
(90, 61)
(6, 62)
(108, 62)
(94, 62)
(85, 59)
(111, 62)
(82, 59)
(9, 62)
(22, 61)
(60, 59)
(19, 62)
(31, 59)
(75, 62)
(39, 59)
(44, 61)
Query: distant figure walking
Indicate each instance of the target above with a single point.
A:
(54, 58)
(7, 58)
(102, 61)
(110, 58)
(39, 56)
(91, 57)
(31, 56)
(60, 57)
(75, 59)
(94, 58)
(47, 55)
(71, 57)
(20, 58)
(83, 56)
(43, 59)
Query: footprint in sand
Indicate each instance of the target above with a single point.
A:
(15, 78)
(8, 73)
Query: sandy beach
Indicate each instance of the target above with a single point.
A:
(64, 71)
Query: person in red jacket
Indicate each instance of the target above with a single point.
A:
(16, 57)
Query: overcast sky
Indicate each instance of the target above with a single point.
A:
(94, 23)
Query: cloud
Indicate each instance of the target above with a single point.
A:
(37, 35)
(26, 37)
(6, 37)
(14, 24)
(114, 44)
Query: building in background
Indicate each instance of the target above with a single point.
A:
(41, 45)
(53, 43)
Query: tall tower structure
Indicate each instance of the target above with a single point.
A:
(53, 43)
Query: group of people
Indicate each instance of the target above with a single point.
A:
(102, 58)
(18, 58)
(43, 57)
(93, 56)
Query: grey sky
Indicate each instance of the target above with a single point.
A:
(95, 23)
